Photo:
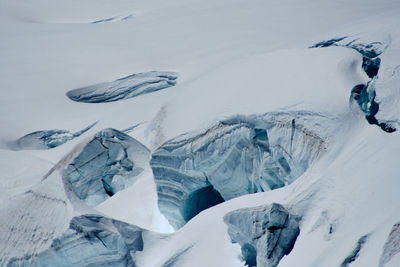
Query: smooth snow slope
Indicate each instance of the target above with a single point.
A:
(232, 57)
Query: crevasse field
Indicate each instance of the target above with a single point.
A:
(188, 133)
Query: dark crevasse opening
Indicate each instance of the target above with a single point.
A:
(365, 95)
(234, 157)
(371, 66)
(200, 200)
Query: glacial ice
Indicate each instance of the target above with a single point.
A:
(392, 246)
(265, 233)
(123, 88)
(365, 47)
(364, 95)
(110, 162)
(240, 155)
(48, 138)
(355, 253)
(93, 240)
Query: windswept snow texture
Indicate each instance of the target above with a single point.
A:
(392, 246)
(92, 240)
(47, 139)
(123, 88)
(107, 164)
(237, 156)
(265, 233)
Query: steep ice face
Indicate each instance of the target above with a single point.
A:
(237, 156)
(109, 163)
(265, 233)
(123, 88)
(92, 240)
(47, 139)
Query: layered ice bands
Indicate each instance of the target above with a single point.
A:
(110, 162)
(124, 88)
(237, 156)
(47, 139)
(91, 240)
(265, 233)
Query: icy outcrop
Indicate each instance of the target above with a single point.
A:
(110, 162)
(265, 233)
(364, 94)
(392, 246)
(355, 253)
(237, 156)
(367, 48)
(92, 240)
(48, 139)
(123, 88)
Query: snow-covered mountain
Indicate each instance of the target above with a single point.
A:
(188, 133)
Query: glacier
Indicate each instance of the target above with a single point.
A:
(221, 139)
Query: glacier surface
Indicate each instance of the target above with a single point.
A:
(257, 118)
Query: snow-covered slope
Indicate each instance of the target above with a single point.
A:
(190, 133)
